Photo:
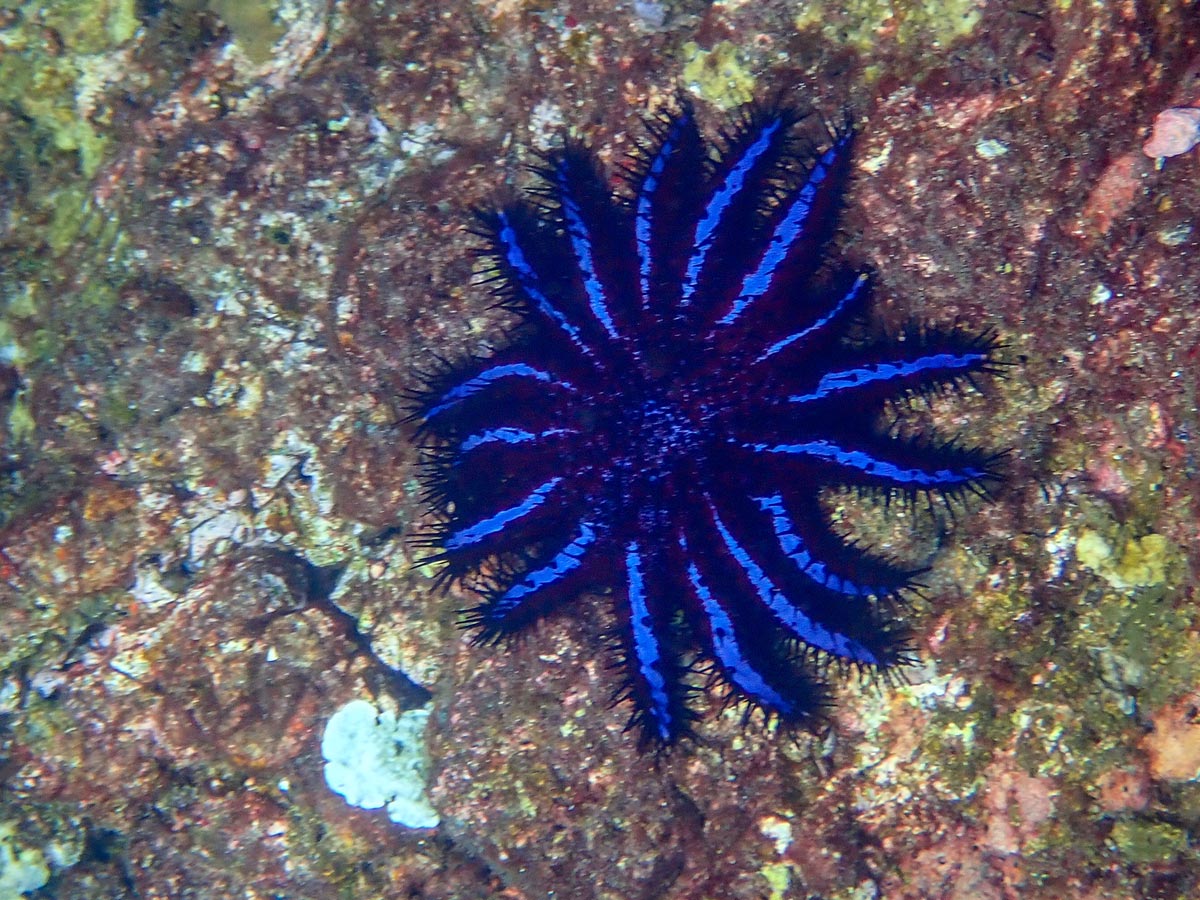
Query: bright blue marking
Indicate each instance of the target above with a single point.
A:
(566, 560)
(581, 243)
(793, 545)
(836, 382)
(529, 283)
(726, 648)
(855, 289)
(865, 462)
(496, 523)
(487, 377)
(719, 205)
(507, 436)
(784, 236)
(788, 615)
(645, 204)
(645, 643)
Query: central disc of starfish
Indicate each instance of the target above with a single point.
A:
(664, 435)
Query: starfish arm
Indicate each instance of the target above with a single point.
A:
(825, 561)
(743, 655)
(532, 272)
(511, 517)
(600, 238)
(920, 364)
(654, 676)
(501, 374)
(889, 464)
(753, 581)
(803, 221)
(519, 597)
(666, 206)
(818, 333)
(754, 158)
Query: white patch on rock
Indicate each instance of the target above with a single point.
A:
(23, 870)
(376, 759)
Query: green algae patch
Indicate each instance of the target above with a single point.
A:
(718, 75)
(963, 740)
(252, 23)
(1139, 640)
(253, 26)
(68, 219)
(89, 26)
(1079, 662)
(1142, 642)
(1110, 654)
(1148, 843)
(21, 425)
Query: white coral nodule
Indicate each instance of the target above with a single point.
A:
(376, 759)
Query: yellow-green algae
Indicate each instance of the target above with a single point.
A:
(21, 426)
(54, 58)
(60, 287)
(778, 876)
(48, 59)
(864, 24)
(718, 75)
(251, 23)
(1137, 562)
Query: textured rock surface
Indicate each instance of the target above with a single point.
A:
(228, 240)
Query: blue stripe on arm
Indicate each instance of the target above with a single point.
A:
(937, 365)
(869, 464)
(846, 302)
(643, 222)
(646, 646)
(581, 244)
(784, 236)
(796, 622)
(564, 562)
(496, 523)
(506, 435)
(488, 377)
(720, 202)
(728, 651)
(794, 548)
(529, 281)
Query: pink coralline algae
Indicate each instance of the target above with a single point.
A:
(1176, 131)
